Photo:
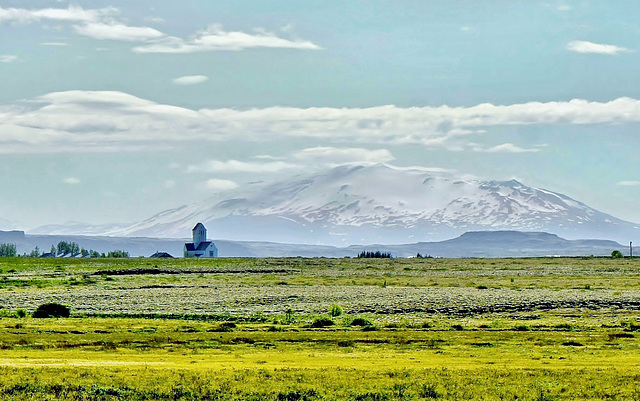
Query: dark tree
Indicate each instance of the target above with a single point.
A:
(8, 250)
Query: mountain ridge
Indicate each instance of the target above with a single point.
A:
(378, 203)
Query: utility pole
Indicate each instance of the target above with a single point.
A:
(630, 249)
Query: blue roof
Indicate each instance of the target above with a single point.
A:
(201, 247)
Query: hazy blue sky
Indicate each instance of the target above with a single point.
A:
(111, 111)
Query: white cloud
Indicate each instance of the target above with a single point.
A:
(628, 183)
(97, 23)
(117, 31)
(338, 156)
(215, 166)
(54, 44)
(8, 58)
(508, 148)
(581, 46)
(71, 181)
(216, 184)
(191, 80)
(103, 24)
(563, 7)
(214, 38)
(116, 121)
(70, 14)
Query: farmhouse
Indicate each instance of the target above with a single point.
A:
(200, 247)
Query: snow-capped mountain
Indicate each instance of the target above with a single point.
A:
(77, 228)
(381, 204)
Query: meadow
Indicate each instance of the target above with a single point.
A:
(321, 329)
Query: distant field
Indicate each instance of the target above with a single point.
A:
(321, 329)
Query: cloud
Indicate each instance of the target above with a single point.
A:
(97, 23)
(339, 156)
(216, 184)
(326, 156)
(216, 166)
(191, 80)
(70, 14)
(215, 38)
(54, 44)
(75, 121)
(117, 31)
(8, 58)
(507, 148)
(628, 183)
(71, 181)
(103, 24)
(581, 46)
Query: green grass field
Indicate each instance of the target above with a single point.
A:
(250, 329)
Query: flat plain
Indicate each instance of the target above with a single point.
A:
(321, 329)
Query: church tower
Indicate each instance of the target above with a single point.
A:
(199, 234)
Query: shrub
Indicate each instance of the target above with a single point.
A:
(428, 391)
(614, 336)
(118, 254)
(322, 322)
(274, 329)
(21, 313)
(51, 310)
(616, 254)
(360, 321)
(335, 311)
(289, 316)
(225, 327)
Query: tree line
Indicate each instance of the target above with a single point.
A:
(62, 249)
(376, 254)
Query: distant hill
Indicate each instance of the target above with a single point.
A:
(471, 244)
(505, 244)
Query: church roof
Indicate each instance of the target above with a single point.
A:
(161, 255)
(201, 247)
(198, 225)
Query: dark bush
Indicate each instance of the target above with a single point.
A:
(51, 310)
(360, 321)
(428, 391)
(322, 322)
(275, 329)
(613, 336)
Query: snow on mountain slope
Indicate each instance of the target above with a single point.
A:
(378, 203)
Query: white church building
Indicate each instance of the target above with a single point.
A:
(200, 247)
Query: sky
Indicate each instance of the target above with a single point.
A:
(112, 111)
